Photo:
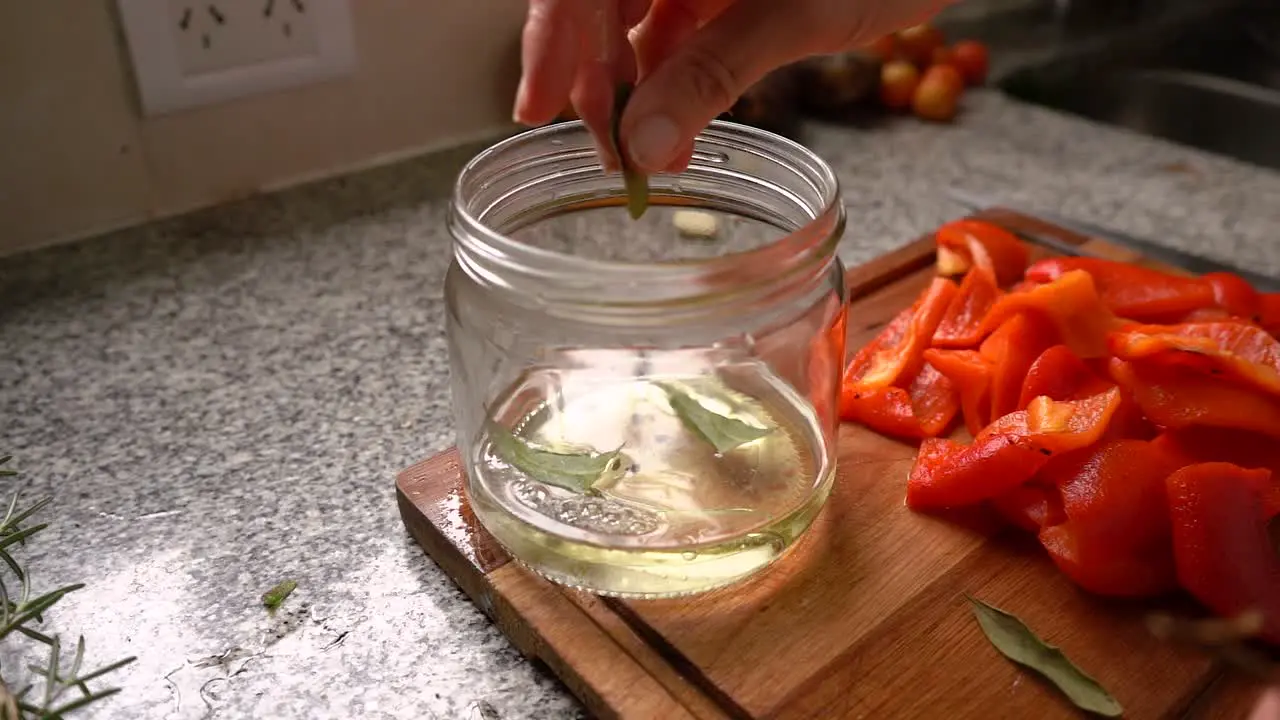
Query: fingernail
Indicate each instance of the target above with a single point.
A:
(654, 142)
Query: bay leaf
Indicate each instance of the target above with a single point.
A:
(636, 182)
(722, 432)
(1017, 642)
(576, 472)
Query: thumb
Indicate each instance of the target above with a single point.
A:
(705, 76)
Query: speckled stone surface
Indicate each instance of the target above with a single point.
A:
(220, 402)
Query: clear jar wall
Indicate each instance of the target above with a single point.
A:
(525, 323)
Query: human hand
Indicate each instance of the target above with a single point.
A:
(692, 60)
(1268, 707)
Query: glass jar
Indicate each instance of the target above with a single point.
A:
(641, 414)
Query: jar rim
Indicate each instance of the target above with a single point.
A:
(813, 239)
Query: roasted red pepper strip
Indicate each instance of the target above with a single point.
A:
(1115, 539)
(1011, 350)
(967, 243)
(898, 350)
(1031, 506)
(1213, 314)
(1248, 450)
(1221, 544)
(961, 326)
(1063, 426)
(1007, 453)
(1060, 375)
(1072, 304)
(1269, 312)
(1131, 291)
(1174, 396)
(1233, 294)
(970, 373)
(924, 410)
(1242, 352)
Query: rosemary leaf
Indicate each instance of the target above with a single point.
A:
(35, 635)
(1017, 642)
(272, 598)
(637, 183)
(106, 669)
(17, 570)
(723, 433)
(81, 702)
(20, 536)
(32, 610)
(78, 659)
(28, 512)
(576, 472)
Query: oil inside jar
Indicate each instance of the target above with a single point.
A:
(675, 507)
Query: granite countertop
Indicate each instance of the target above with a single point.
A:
(222, 401)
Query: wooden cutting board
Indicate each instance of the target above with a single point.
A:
(864, 618)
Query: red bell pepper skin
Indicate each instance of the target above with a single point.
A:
(1233, 294)
(970, 373)
(1222, 547)
(897, 351)
(985, 246)
(1059, 375)
(1213, 314)
(961, 326)
(1269, 312)
(1244, 449)
(1115, 539)
(1007, 453)
(1058, 427)
(1131, 291)
(947, 474)
(1241, 352)
(1011, 350)
(1072, 304)
(925, 409)
(1031, 507)
(1177, 397)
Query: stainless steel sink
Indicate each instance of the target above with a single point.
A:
(1211, 82)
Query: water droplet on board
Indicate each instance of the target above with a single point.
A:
(689, 555)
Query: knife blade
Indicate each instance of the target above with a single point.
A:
(1153, 251)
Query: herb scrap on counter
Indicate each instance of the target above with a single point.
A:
(272, 598)
(18, 610)
(576, 472)
(723, 433)
(1017, 642)
(637, 183)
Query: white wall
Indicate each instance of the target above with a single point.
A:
(79, 159)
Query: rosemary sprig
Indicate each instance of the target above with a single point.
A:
(1225, 639)
(65, 689)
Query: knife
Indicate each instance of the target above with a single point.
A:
(1160, 253)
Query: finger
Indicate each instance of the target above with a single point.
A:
(631, 12)
(1268, 707)
(667, 25)
(681, 161)
(706, 75)
(550, 51)
(607, 62)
